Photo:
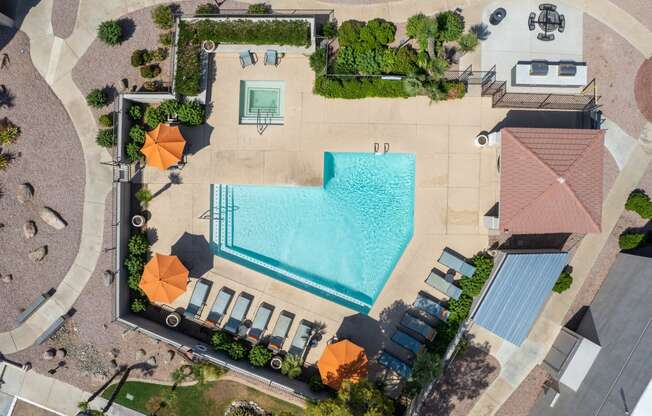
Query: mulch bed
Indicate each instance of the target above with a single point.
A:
(643, 89)
(47, 155)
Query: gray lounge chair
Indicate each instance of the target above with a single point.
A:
(431, 307)
(450, 259)
(242, 304)
(221, 304)
(246, 59)
(300, 339)
(418, 326)
(436, 281)
(407, 341)
(259, 325)
(280, 332)
(198, 299)
(271, 57)
(398, 366)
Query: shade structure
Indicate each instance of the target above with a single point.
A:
(163, 146)
(164, 278)
(342, 361)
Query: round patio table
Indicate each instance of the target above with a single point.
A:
(548, 20)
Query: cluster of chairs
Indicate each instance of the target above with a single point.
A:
(234, 324)
(248, 58)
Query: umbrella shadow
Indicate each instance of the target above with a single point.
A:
(195, 253)
(353, 370)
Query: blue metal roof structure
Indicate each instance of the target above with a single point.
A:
(519, 288)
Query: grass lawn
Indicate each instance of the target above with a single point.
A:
(208, 399)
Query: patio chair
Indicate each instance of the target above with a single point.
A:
(562, 23)
(198, 299)
(259, 325)
(436, 281)
(546, 37)
(221, 304)
(456, 262)
(407, 341)
(246, 59)
(300, 339)
(547, 6)
(430, 307)
(238, 313)
(280, 332)
(418, 326)
(271, 57)
(395, 364)
(530, 21)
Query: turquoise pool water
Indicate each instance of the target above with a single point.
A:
(340, 241)
(262, 100)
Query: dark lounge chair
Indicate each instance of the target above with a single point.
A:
(280, 332)
(300, 339)
(260, 322)
(198, 299)
(407, 341)
(220, 305)
(432, 308)
(398, 366)
(418, 326)
(238, 313)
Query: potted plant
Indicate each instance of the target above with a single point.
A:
(276, 363)
(173, 320)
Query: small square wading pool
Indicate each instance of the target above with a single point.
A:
(262, 102)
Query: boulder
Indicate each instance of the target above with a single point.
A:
(38, 254)
(29, 229)
(107, 278)
(140, 354)
(52, 218)
(6, 278)
(61, 354)
(151, 361)
(169, 356)
(49, 354)
(24, 193)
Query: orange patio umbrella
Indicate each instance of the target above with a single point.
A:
(164, 278)
(342, 361)
(163, 146)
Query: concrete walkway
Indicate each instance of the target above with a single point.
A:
(50, 393)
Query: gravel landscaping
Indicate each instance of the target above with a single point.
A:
(64, 15)
(644, 89)
(520, 402)
(47, 155)
(613, 62)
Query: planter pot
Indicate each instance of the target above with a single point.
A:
(208, 46)
(138, 221)
(276, 363)
(173, 320)
(481, 140)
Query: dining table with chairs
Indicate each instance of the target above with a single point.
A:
(548, 20)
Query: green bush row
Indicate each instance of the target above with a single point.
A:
(258, 356)
(354, 88)
(247, 32)
(355, 60)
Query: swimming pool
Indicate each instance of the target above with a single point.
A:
(262, 100)
(340, 241)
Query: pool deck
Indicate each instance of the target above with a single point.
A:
(456, 183)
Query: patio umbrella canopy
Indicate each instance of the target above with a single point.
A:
(342, 361)
(163, 146)
(164, 278)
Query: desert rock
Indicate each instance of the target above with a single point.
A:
(38, 254)
(29, 229)
(24, 193)
(52, 218)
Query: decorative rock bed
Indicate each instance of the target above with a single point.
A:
(249, 408)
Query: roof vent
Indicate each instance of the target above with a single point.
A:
(561, 179)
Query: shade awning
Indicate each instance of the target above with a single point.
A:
(342, 361)
(164, 278)
(163, 146)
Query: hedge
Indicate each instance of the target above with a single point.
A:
(639, 202)
(630, 240)
(252, 32)
(354, 88)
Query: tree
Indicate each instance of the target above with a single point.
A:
(426, 367)
(450, 25)
(377, 32)
(163, 17)
(354, 399)
(349, 33)
(110, 32)
(563, 283)
(421, 28)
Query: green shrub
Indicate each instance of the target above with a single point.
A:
(405, 61)
(138, 305)
(105, 138)
(427, 366)
(137, 58)
(144, 196)
(133, 152)
(165, 39)
(110, 32)
(138, 244)
(240, 31)
(236, 350)
(135, 112)
(221, 340)
(207, 8)
(292, 366)
(348, 33)
(153, 117)
(421, 28)
(163, 17)
(639, 202)
(134, 265)
(96, 98)
(318, 61)
(563, 283)
(345, 61)
(137, 134)
(169, 108)
(150, 71)
(630, 240)
(377, 32)
(259, 356)
(259, 8)
(468, 42)
(191, 113)
(9, 132)
(315, 384)
(359, 88)
(330, 29)
(4, 161)
(106, 120)
(450, 26)
(159, 54)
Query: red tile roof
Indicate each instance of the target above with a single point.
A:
(551, 180)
